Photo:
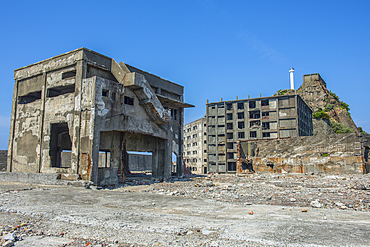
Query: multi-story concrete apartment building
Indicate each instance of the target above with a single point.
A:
(195, 147)
(252, 119)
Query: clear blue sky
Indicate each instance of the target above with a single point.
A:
(213, 48)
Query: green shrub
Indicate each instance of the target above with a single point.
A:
(328, 107)
(340, 128)
(281, 92)
(320, 114)
(324, 155)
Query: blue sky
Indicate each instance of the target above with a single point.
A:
(215, 49)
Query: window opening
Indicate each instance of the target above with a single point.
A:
(241, 115)
(241, 125)
(265, 125)
(105, 93)
(104, 159)
(252, 104)
(264, 102)
(68, 74)
(56, 91)
(128, 100)
(240, 106)
(253, 134)
(231, 166)
(254, 114)
(31, 97)
(174, 114)
(241, 135)
(60, 145)
(266, 134)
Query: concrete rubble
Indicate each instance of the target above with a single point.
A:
(215, 210)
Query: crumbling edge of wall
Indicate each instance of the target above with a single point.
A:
(40, 178)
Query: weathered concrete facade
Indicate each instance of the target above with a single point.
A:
(195, 146)
(68, 108)
(3, 160)
(252, 119)
(330, 154)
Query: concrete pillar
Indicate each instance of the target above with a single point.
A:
(155, 159)
(81, 67)
(41, 124)
(12, 126)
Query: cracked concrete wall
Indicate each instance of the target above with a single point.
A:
(68, 108)
(332, 154)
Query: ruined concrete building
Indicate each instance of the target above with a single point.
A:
(329, 154)
(70, 110)
(195, 146)
(252, 119)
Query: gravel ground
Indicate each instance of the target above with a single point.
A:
(217, 210)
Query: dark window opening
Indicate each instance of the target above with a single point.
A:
(252, 104)
(265, 125)
(60, 145)
(229, 107)
(220, 106)
(266, 134)
(229, 116)
(230, 155)
(265, 115)
(254, 114)
(254, 124)
(229, 126)
(241, 135)
(174, 114)
(240, 106)
(253, 134)
(231, 166)
(129, 100)
(69, 74)
(230, 145)
(31, 97)
(241, 115)
(241, 125)
(366, 154)
(205, 170)
(264, 102)
(56, 91)
(105, 93)
(229, 135)
(205, 160)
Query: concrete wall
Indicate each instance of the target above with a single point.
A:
(332, 154)
(3, 160)
(138, 162)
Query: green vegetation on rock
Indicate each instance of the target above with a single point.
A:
(281, 92)
(320, 114)
(340, 128)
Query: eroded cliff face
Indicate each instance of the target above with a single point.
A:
(315, 93)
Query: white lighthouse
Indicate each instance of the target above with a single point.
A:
(291, 71)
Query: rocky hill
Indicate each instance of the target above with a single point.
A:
(330, 113)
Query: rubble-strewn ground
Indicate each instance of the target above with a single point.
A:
(218, 210)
